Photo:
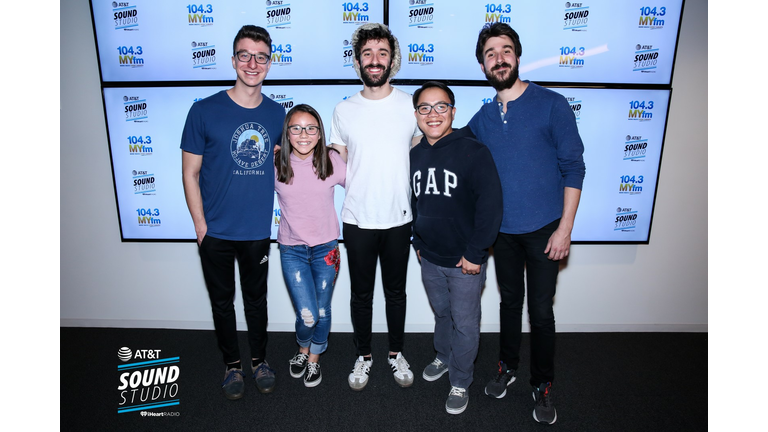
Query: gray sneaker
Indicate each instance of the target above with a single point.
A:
(401, 370)
(233, 385)
(435, 370)
(543, 410)
(457, 400)
(497, 387)
(265, 377)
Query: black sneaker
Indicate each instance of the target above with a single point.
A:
(544, 411)
(313, 376)
(233, 385)
(265, 377)
(497, 387)
(298, 364)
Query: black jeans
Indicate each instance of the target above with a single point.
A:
(364, 247)
(514, 255)
(218, 260)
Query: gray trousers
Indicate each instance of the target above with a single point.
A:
(455, 300)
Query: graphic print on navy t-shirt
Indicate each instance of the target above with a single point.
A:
(250, 145)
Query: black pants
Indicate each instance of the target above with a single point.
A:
(515, 254)
(364, 247)
(218, 260)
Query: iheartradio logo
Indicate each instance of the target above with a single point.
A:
(124, 354)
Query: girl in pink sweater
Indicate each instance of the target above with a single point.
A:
(306, 173)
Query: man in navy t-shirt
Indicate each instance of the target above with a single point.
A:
(532, 135)
(228, 175)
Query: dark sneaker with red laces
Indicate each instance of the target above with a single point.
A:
(497, 387)
(544, 410)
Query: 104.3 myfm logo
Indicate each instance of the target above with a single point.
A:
(200, 15)
(355, 13)
(652, 17)
(421, 54)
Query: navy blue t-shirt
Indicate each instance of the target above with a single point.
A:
(237, 175)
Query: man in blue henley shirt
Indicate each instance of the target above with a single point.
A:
(532, 135)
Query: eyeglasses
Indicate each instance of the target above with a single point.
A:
(245, 57)
(440, 108)
(296, 130)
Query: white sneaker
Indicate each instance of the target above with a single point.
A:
(401, 370)
(358, 379)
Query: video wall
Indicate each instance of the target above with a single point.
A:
(613, 62)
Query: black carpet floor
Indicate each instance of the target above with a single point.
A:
(604, 382)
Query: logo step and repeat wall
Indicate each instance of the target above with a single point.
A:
(612, 61)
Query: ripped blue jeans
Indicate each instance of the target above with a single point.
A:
(310, 275)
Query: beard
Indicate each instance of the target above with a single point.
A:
(502, 83)
(370, 81)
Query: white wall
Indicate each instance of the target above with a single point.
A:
(106, 283)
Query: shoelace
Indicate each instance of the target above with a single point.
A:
(312, 368)
(400, 364)
(233, 376)
(264, 370)
(361, 367)
(544, 396)
(456, 391)
(299, 359)
(437, 363)
(502, 374)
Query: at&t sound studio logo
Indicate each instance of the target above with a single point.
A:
(626, 219)
(143, 183)
(421, 14)
(576, 17)
(147, 383)
(347, 53)
(635, 148)
(576, 106)
(125, 16)
(278, 14)
(203, 55)
(136, 109)
(646, 59)
(284, 100)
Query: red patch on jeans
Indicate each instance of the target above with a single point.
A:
(332, 258)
